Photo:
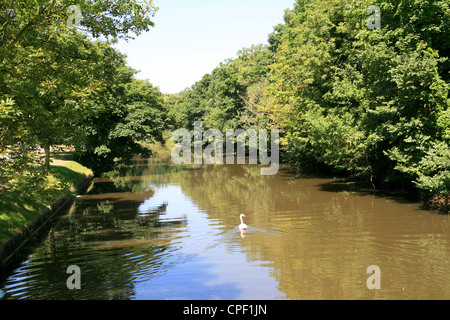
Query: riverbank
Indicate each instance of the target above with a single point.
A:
(22, 214)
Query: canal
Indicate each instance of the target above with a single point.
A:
(152, 230)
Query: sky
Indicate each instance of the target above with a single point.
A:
(191, 38)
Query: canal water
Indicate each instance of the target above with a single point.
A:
(151, 230)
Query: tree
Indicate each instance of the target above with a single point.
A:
(115, 18)
(369, 104)
(48, 70)
(373, 103)
(124, 112)
(55, 80)
(225, 98)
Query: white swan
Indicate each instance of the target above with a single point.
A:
(242, 226)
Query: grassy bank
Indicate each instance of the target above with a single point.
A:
(19, 207)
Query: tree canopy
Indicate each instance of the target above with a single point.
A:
(353, 92)
(62, 83)
(349, 98)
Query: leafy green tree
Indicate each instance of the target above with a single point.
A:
(226, 98)
(191, 104)
(123, 113)
(48, 71)
(116, 18)
(372, 104)
(55, 80)
(50, 76)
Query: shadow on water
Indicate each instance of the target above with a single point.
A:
(342, 186)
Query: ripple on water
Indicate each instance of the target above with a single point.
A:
(305, 240)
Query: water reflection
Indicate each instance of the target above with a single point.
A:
(151, 230)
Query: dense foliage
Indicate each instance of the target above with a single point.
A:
(59, 85)
(349, 98)
(371, 103)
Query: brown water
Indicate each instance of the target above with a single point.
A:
(307, 239)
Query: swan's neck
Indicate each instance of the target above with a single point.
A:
(242, 221)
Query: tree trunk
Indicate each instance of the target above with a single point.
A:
(47, 158)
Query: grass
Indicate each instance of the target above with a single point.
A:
(71, 171)
(16, 212)
(19, 208)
